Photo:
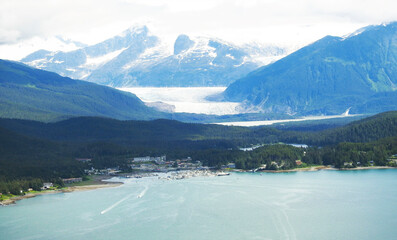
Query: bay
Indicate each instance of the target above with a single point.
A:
(298, 205)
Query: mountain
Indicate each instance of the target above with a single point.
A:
(194, 62)
(327, 77)
(138, 58)
(34, 94)
(28, 93)
(80, 63)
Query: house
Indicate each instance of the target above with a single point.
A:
(231, 165)
(298, 162)
(392, 160)
(348, 164)
(47, 185)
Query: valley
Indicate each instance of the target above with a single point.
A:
(182, 119)
(187, 99)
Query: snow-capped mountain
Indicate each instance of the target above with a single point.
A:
(82, 62)
(138, 58)
(16, 51)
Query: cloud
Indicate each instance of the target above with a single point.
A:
(91, 21)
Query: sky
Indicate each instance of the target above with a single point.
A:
(29, 25)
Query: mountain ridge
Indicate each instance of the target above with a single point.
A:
(28, 93)
(138, 58)
(327, 77)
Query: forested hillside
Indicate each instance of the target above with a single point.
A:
(366, 130)
(47, 150)
(327, 77)
(28, 93)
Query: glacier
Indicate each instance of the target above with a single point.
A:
(187, 99)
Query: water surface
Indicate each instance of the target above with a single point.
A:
(303, 205)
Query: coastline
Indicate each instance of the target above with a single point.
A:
(366, 168)
(69, 189)
(98, 181)
(318, 168)
(308, 169)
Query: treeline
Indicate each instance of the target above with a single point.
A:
(283, 155)
(366, 130)
(155, 134)
(30, 149)
(165, 133)
(18, 187)
(345, 155)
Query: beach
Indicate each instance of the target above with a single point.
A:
(95, 184)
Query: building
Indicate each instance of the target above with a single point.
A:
(84, 160)
(47, 185)
(158, 160)
(348, 164)
(231, 165)
(142, 159)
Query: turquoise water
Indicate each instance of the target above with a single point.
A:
(304, 205)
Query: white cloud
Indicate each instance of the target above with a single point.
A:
(285, 21)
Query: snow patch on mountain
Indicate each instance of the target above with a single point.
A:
(136, 57)
(97, 61)
(148, 57)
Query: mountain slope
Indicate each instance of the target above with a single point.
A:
(80, 63)
(28, 93)
(328, 77)
(105, 129)
(195, 62)
(173, 135)
(383, 125)
(138, 58)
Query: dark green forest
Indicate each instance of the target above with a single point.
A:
(31, 150)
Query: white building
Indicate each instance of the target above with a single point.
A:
(142, 159)
(47, 185)
(158, 160)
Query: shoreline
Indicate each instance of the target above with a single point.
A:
(318, 168)
(99, 182)
(81, 188)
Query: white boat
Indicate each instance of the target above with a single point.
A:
(223, 174)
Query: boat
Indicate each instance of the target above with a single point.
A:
(223, 174)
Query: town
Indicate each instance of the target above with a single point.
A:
(152, 164)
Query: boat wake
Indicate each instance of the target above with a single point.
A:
(117, 203)
(143, 192)
(123, 199)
